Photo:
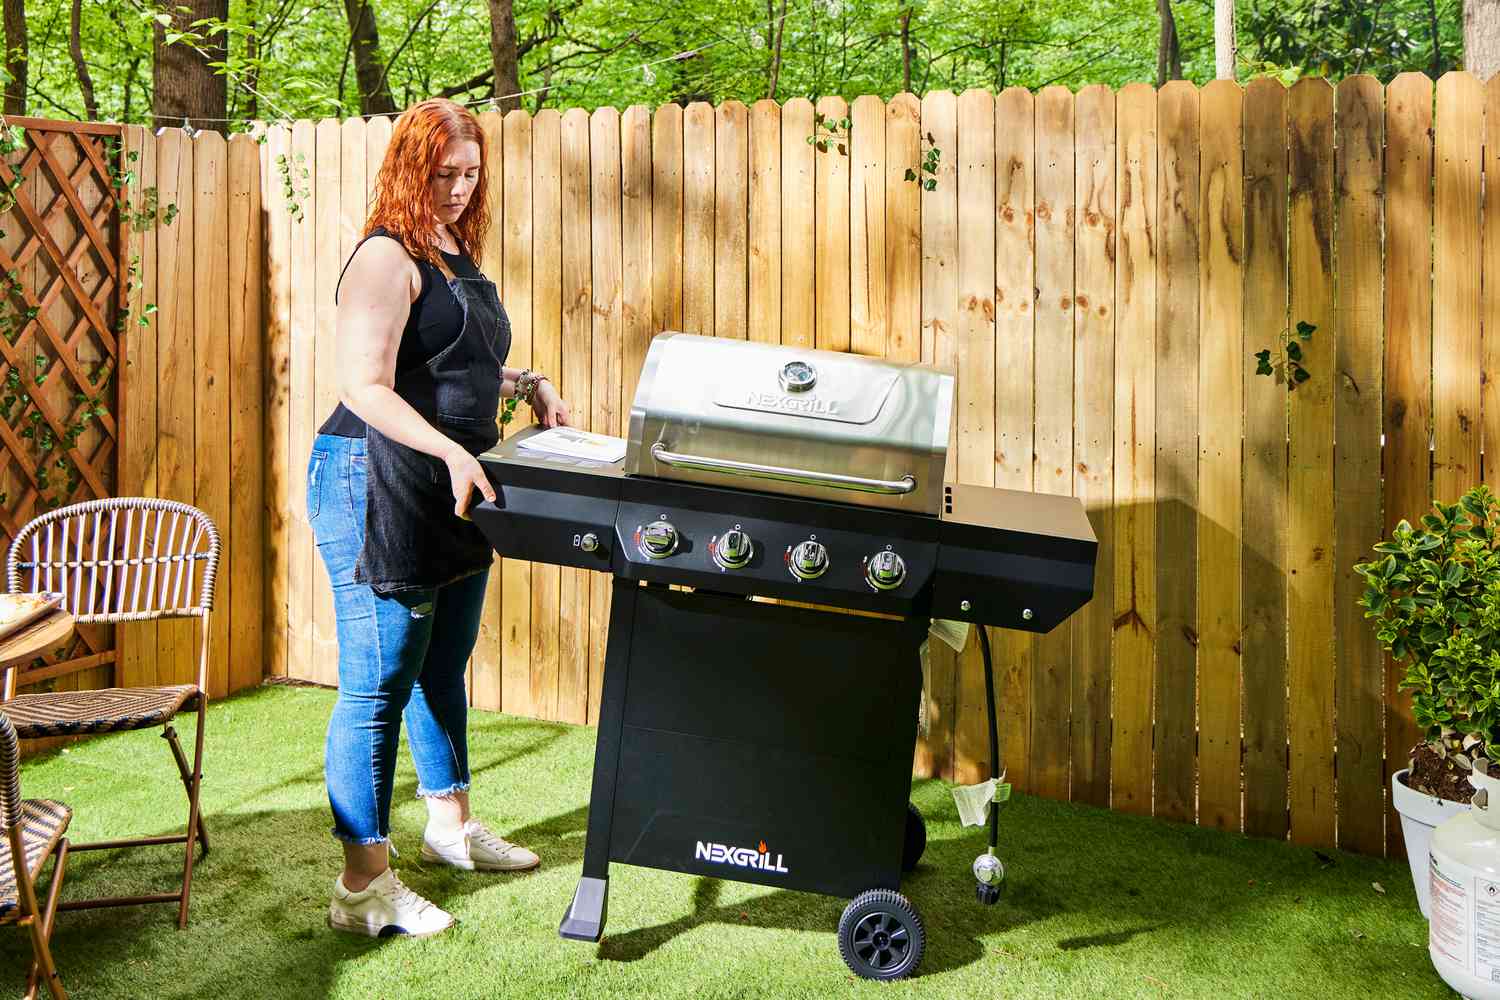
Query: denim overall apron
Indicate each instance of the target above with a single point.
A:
(413, 540)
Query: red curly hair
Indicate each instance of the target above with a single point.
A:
(403, 200)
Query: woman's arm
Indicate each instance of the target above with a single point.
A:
(374, 302)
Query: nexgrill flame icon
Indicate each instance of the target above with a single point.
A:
(740, 857)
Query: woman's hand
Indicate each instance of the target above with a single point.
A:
(466, 475)
(548, 406)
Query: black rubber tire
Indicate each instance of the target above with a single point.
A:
(881, 936)
(916, 839)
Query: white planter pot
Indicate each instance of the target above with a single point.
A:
(1420, 812)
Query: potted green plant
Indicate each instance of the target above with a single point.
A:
(1434, 595)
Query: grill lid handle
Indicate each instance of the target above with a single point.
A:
(752, 470)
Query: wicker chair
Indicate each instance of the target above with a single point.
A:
(34, 829)
(126, 559)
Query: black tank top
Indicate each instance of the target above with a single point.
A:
(435, 319)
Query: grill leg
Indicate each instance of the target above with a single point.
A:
(584, 920)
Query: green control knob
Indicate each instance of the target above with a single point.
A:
(808, 560)
(885, 570)
(733, 549)
(658, 539)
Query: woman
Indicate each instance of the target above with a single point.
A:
(421, 346)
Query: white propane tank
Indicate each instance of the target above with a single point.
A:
(1463, 930)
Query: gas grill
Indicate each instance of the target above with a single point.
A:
(765, 742)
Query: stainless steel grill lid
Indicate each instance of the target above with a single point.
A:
(790, 420)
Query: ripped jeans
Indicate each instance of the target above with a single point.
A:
(399, 655)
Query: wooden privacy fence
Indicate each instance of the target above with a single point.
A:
(1098, 268)
(194, 379)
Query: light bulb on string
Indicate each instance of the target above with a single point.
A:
(647, 75)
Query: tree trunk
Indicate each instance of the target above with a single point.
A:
(364, 39)
(503, 54)
(777, 33)
(906, 52)
(252, 69)
(1168, 54)
(1437, 46)
(1482, 37)
(186, 87)
(1225, 47)
(75, 49)
(15, 57)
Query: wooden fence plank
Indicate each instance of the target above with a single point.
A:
(635, 232)
(764, 251)
(868, 298)
(137, 642)
(1309, 471)
(1135, 613)
(1456, 358)
(547, 356)
(903, 223)
(831, 258)
(1176, 475)
(516, 687)
(1093, 433)
(1359, 685)
(975, 354)
(1263, 559)
(698, 218)
(939, 210)
(731, 218)
(1489, 391)
(485, 670)
(1051, 680)
(608, 339)
(247, 413)
(577, 389)
(1221, 401)
(326, 218)
(666, 218)
(1015, 374)
(1409, 361)
(798, 229)
(281, 478)
(176, 663)
(304, 562)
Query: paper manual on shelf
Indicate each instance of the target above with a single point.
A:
(573, 443)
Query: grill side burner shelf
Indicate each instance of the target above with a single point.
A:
(769, 743)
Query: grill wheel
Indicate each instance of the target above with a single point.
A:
(881, 936)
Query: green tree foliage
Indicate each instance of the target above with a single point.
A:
(290, 58)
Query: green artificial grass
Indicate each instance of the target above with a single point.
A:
(1097, 904)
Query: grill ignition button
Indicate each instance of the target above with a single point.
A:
(808, 560)
(657, 539)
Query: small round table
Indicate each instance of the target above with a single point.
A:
(47, 632)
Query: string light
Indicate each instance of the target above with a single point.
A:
(647, 75)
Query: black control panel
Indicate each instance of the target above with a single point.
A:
(787, 559)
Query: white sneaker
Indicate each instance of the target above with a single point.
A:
(384, 908)
(476, 849)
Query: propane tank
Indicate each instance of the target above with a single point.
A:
(1463, 931)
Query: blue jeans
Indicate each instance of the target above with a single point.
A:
(401, 654)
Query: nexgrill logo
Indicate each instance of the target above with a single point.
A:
(740, 857)
(794, 404)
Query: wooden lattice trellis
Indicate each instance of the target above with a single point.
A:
(63, 288)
